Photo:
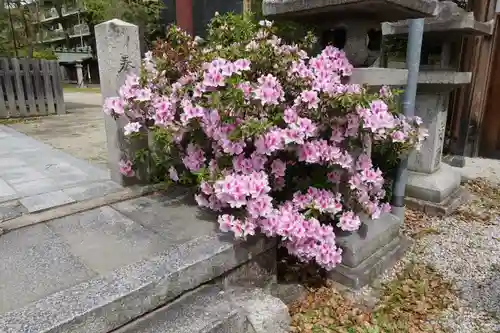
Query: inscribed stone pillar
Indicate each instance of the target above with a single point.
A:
(119, 54)
(432, 108)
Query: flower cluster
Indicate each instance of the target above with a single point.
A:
(275, 140)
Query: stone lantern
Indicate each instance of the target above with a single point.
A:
(432, 185)
(354, 26)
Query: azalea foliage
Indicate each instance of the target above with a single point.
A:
(277, 141)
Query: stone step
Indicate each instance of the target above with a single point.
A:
(210, 309)
(97, 270)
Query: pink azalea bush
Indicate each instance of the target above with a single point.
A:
(277, 141)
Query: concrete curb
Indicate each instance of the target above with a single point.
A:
(77, 207)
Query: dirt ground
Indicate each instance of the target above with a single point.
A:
(80, 132)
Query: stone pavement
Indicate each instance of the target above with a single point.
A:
(80, 132)
(36, 177)
(41, 259)
(95, 271)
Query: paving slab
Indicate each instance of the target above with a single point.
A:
(92, 190)
(105, 239)
(34, 262)
(45, 201)
(6, 191)
(41, 177)
(11, 209)
(176, 222)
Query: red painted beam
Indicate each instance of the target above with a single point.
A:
(184, 15)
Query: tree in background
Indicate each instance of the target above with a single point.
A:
(18, 28)
(143, 13)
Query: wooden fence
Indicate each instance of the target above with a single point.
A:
(30, 87)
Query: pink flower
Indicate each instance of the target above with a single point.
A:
(114, 105)
(349, 222)
(269, 143)
(130, 128)
(310, 97)
(258, 161)
(290, 116)
(226, 222)
(242, 65)
(398, 136)
(269, 90)
(173, 174)
(126, 168)
(143, 95)
(385, 91)
(278, 168)
(249, 227)
(246, 87)
(194, 159)
(260, 206)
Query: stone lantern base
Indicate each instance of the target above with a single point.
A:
(438, 193)
(370, 251)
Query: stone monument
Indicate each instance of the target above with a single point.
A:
(354, 26)
(119, 53)
(432, 185)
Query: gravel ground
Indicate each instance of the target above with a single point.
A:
(465, 252)
(481, 167)
(468, 255)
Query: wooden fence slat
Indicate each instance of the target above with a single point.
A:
(58, 91)
(48, 86)
(9, 89)
(21, 99)
(39, 88)
(3, 103)
(28, 86)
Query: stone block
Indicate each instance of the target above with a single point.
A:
(204, 310)
(259, 272)
(24, 174)
(377, 77)
(43, 201)
(209, 309)
(374, 266)
(34, 262)
(105, 240)
(432, 108)
(372, 236)
(441, 81)
(289, 292)
(6, 191)
(7, 163)
(92, 190)
(454, 160)
(117, 43)
(11, 209)
(374, 10)
(444, 208)
(174, 221)
(35, 187)
(435, 187)
(264, 312)
(451, 22)
(103, 304)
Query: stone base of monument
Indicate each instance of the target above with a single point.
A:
(370, 251)
(438, 193)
